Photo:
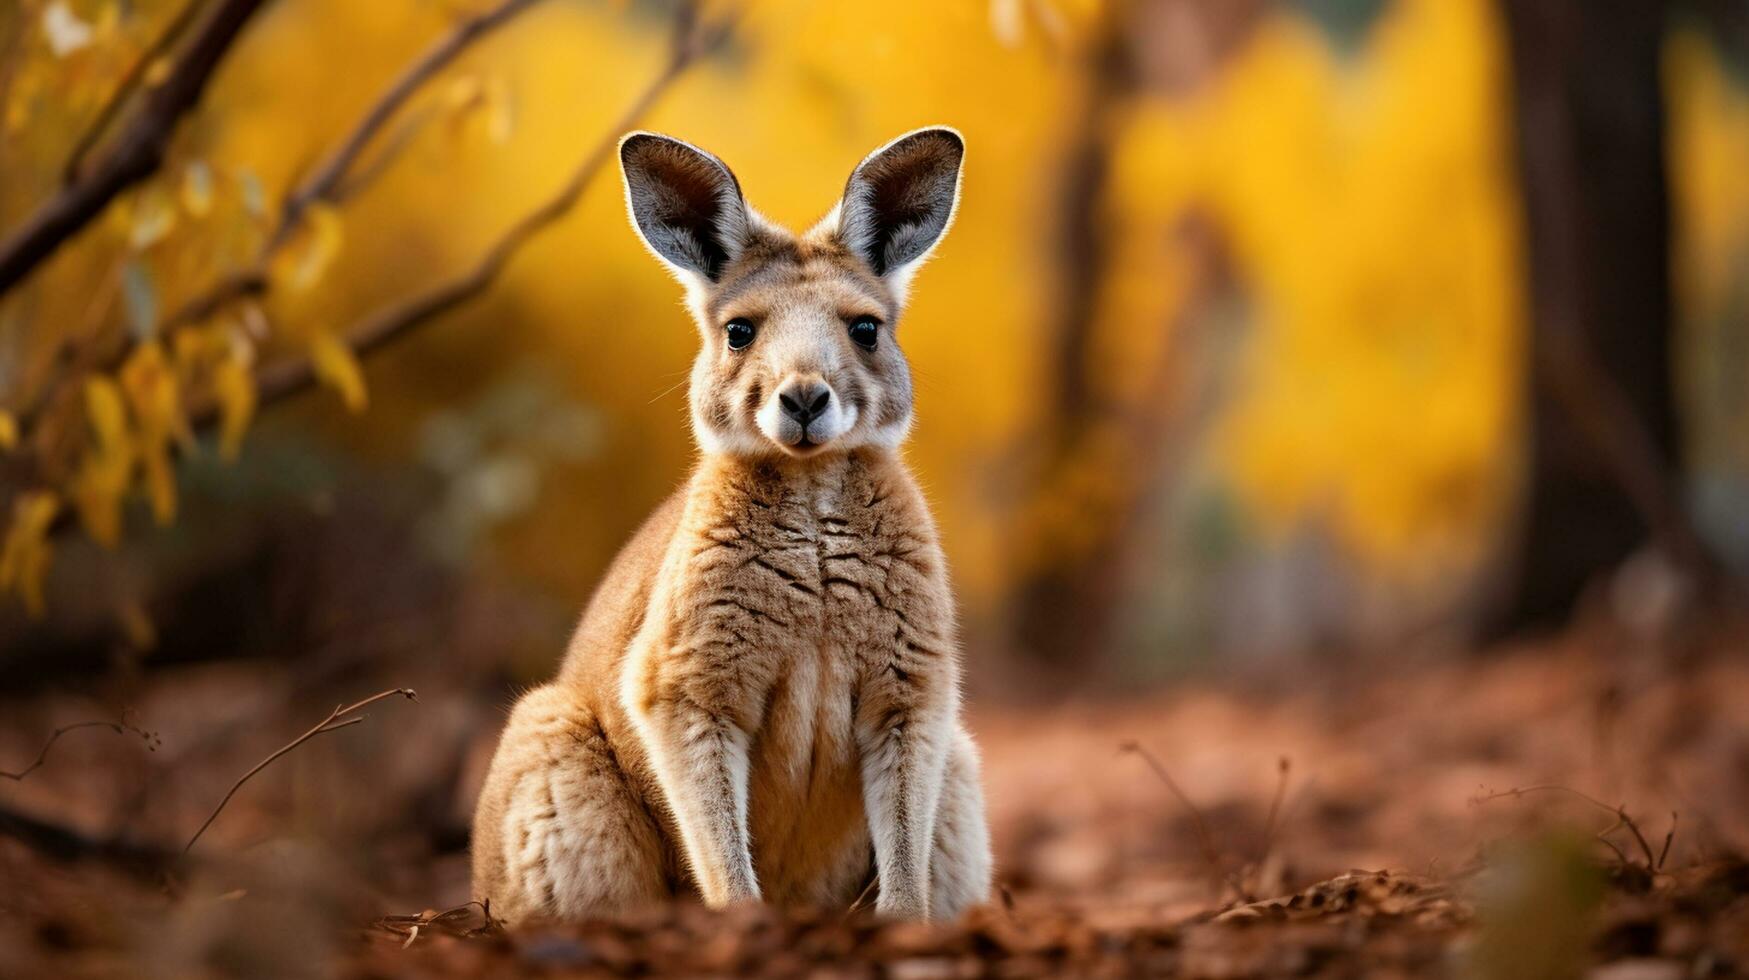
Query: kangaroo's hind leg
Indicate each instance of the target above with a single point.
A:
(960, 863)
(559, 833)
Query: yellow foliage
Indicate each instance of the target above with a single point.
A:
(107, 470)
(8, 431)
(157, 409)
(24, 558)
(234, 387)
(1709, 154)
(337, 367)
(303, 262)
(1368, 209)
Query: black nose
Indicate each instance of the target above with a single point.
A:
(805, 402)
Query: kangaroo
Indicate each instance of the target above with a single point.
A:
(762, 700)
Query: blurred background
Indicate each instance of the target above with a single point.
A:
(1282, 349)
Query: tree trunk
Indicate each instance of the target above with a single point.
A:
(1601, 479)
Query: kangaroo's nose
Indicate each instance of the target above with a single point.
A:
(805, 401)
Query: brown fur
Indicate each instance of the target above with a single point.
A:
(762, 698)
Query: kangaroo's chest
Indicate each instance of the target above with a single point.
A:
(799, 587)
(799, 567)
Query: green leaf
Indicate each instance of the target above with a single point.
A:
(140, 294)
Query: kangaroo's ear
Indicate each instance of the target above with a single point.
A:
(686, 204)
(900, 200)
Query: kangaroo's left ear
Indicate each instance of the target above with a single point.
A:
(900, 200)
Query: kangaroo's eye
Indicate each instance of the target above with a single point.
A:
(740, 331)
(865, 330)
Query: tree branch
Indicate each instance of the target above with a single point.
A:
(283, 378)
(125, 89)
(336, 720)
(691, 41)
(119, 727)
(324, 181)
(137, 152)
(323, 184)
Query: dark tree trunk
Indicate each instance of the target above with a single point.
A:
(1601, 480)
(1062, 613)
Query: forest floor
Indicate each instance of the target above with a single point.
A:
(1577, 808)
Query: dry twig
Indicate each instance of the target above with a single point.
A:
(1269, 826)
(1205, 839)
(1619, 812)
(336, 720)
(862, 897)
(448, 920)
(121, 727)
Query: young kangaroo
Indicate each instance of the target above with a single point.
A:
(762, 699)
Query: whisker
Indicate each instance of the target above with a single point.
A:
(664, 393)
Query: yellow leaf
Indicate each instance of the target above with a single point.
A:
(152, 392)
(157, 406)
(153, 217)
(98, 499)
(464, 93)
(312, 250)
(107, 469)
(108, 412)
(337, 367)
(234, 387)
(8, 431)
(24, 558)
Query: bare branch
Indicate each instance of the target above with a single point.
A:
(125, 89)
(331, 723)
(1619, 812)
(138, 150)
(1207, 841)
(325, 179)
(119, 727)
(329, 178)
(1282, 768)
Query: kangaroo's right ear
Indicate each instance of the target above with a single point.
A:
(686, 204)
